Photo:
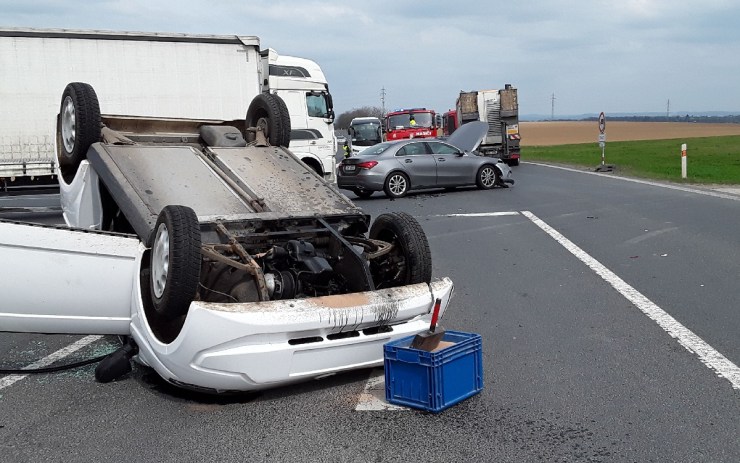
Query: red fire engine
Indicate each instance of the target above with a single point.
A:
(449, 122)
(410, 123)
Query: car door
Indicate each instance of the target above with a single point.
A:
(419, 164)
(61, 280)
(452, 167)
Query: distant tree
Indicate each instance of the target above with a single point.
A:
(345, 118)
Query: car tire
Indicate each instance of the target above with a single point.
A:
(79, 126)
(269, 112)
(175, 261)
(410, 259)
(363, 193)
(486, 177)
(396, 185)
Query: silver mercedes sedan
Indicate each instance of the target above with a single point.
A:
(400, 166)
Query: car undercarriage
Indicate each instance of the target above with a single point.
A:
(237, 267)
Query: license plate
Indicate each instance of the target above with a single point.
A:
(349, 168)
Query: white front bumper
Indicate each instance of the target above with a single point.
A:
(250, 346)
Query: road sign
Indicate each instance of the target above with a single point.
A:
(602, 143)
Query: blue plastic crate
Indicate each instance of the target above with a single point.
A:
(433, 381)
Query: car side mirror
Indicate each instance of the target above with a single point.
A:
(460, 154)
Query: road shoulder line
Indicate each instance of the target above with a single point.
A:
(644, 182)
(687, 338)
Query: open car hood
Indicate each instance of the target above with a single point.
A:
(469, 136)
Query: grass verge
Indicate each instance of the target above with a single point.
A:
(709, 160)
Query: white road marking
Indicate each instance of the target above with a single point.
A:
(478, 214)
(49, 359)
(373, 397)
(693, 343)
(645, 182)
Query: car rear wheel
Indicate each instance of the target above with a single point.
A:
(363, 193)
(487, 177)
(175, 261)
(270, 113)
(79, 126)
(396, 185)
(409, 260)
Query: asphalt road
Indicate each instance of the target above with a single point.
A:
(583, 288)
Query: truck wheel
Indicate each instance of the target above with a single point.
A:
(514, 162)
(175, 261)
(410, 259)
(396, 185)
(79, 124)
(487, 177)
(285, 117)
(270, 113)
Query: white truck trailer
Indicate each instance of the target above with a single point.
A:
(155, 75)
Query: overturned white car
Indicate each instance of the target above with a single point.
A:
(231, 264)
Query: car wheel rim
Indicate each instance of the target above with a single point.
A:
(160, 260)
(68, 124)
(397, 185)
(488, 177)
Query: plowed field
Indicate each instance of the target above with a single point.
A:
(571, 132)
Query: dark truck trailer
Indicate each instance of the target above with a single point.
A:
(500, 109)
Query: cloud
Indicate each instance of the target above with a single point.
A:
(594, 55)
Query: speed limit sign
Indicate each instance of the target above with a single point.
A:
(602, 123)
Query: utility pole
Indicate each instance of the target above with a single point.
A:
(552, 113)
(382, 99)
(668, 109)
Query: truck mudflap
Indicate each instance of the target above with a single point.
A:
(251, 346)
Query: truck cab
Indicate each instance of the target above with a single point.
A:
(364, 132)
(302, 85)
(411, 123)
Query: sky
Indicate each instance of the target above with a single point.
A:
(627, 56)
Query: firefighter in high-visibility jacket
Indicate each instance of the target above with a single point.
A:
(346, 150)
